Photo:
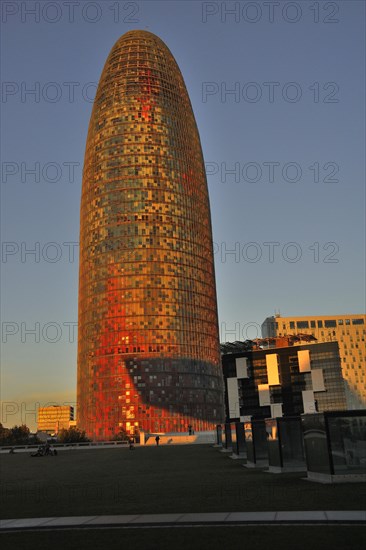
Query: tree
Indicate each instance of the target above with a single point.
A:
(4, 435)
(122, 435)
(72, 435)
(17, 435)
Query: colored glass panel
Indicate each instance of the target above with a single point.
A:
(148, 345)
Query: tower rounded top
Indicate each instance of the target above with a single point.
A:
(142, 38)
(140, 33)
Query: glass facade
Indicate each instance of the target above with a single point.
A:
(227, 435)
(219, 435)
(316, 444)
(292, 382)
(256, 441)
(350, 333)
(148, 347)
(239, 448)
(335, 442)
(55, 418)
(285, 443)
(348, 443)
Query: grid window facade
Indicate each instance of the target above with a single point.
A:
(148, 350)
(54, 418)
(349, 331)
(292, 381)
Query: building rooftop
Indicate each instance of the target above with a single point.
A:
(259, 344)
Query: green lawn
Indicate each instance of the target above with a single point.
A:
(163, 479)
(193, 538)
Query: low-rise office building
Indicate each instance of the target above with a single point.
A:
(281, 377)
(55, 418)
(350, 333)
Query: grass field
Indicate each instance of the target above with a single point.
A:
(195, 538)
(163, 479)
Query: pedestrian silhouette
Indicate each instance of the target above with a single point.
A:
(157, 439)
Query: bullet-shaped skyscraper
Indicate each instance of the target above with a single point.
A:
(148, 343)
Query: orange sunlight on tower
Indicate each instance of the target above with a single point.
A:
(148, 343)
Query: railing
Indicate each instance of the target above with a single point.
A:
(170, 438)
(59, 445)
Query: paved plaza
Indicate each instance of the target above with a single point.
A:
(348, 517)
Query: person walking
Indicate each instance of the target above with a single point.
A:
(157, 439)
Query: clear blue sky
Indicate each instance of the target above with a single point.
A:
(312, 128)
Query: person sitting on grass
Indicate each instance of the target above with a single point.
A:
(39, 452)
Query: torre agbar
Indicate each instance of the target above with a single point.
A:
(148, 344)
